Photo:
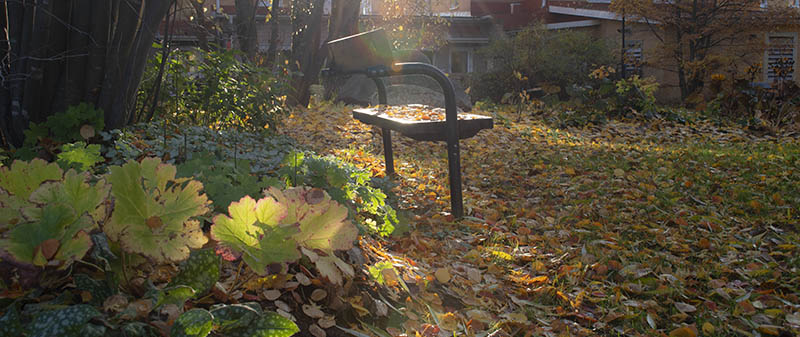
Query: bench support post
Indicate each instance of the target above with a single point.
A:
(388, 155)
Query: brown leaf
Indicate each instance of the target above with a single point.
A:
(684, 331)
(442, 275)
(771, 330)
(272, 294)
(315, 196)
(154, 222)
(316, 331)
(685, 307)
(318, 294)
(313, 311)
(303, 279)
(87, 131)
(49, 248)
(115, 303)
(327, 322)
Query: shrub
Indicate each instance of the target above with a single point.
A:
(540, 56)
(603, 98)
(213, 89)
(757, 106)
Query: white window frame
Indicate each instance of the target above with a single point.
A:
(469, 59)
(636, 69)
(766, 54)
(514, 5)
(366, 7)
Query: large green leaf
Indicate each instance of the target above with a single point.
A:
(22, 178)
(242, 321)
(17, 182)
(55, 219)
(10, 324)
(80, 156)
(193, 323)
(154, 213)
(200, 271)
(323, 222)
(230, 318)
(268, 324)
(66, 322)
(253, 229)
(47, 240)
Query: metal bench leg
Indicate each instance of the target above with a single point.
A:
(387, 151)
(387, 134)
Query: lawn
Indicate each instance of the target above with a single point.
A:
(629, 228)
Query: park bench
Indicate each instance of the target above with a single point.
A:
(369, 53)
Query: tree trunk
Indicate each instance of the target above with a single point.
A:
(274, 33)
(306, 56)
(246, 32)
(343, 22)
(63, 52)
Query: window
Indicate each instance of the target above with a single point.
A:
(366, 7)
(634, 57)
(515, 7)
(779, 57)
(460, 61)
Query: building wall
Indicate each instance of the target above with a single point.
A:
(658, 65)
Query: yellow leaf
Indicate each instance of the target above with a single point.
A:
(771, 330)
(708, 329)
(684, 331)
(442, 275)
(619, 173)
(569, 171)
(448, 321)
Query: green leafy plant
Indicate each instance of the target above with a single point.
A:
(200, 271)
(46, 217)
(193, 323)
(155, 214)
(72, 125)
(72, 321)
(214, 89)
(176, 143)
(236, 320)
(276, 227)
(79, 156)
(225, 181)
(345, 184)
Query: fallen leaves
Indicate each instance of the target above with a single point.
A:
(628, 228)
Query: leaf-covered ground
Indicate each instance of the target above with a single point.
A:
(623, 229)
